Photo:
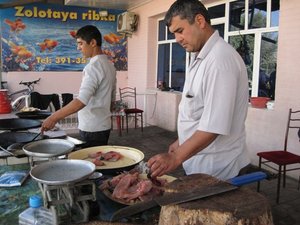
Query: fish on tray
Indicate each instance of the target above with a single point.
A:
(131, 187)
(100, 157)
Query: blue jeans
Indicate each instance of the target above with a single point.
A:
(94, 138)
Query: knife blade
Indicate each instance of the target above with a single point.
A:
(173, 198)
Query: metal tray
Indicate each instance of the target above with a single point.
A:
(8, 138)
(48, 148)
(61, 172)
(34, 114)
(14, 124)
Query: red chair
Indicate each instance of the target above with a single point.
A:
(128, 96)
(283, 159)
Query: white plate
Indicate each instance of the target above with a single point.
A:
(131, 156)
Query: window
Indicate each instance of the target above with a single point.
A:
(250, 26)
(171, 60)
(253, 32)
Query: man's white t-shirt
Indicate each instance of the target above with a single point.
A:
(97, 91)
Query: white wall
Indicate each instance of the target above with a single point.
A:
(142, 50)
(53, 82)
(266, 128)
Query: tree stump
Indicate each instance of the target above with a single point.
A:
(238, 207)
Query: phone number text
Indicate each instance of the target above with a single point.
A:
(61, 60)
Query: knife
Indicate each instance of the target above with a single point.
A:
(173, 198)
(177, 198)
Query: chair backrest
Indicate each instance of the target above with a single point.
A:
(128, 95)
(293, 123)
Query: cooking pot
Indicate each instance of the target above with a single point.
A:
(15, 124)
(48, 148)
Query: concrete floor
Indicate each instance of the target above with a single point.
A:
(155, 140)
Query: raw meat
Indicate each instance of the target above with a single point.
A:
(98, 162)
(111, 156)
(94, 154)
(130, 187)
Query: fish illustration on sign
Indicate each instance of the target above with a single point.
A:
(48, 44)
(73, 33)
(112, 38)
(20, 57)
(16, 25)
(20, 51)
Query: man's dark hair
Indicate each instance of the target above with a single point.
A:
(186, 9)
(88, 33)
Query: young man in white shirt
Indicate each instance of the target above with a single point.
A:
(96, 93)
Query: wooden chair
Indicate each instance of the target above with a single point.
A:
(283, 159)
(128, 96)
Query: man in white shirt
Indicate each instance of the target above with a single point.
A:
(96, 93)
(214, 105)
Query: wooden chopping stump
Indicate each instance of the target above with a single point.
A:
(238, 207)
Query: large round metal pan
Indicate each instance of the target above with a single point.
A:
(64, 171)
(33, 114)
(48, 148)
(131, 157)
(15, 124)
(9, 138)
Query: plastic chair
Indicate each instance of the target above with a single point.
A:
(128, 96)
(282, 158)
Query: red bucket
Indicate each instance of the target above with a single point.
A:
(5, 106)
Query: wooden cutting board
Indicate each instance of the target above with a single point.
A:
(242, 206)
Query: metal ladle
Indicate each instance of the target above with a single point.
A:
(13, 147)
(10, 153)
(35, 137)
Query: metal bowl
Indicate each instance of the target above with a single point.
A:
(64, 171)
(48, 148)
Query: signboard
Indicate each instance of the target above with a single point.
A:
(40, 37)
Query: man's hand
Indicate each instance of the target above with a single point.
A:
(48, 124)
(74, 106)
(163, 163)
